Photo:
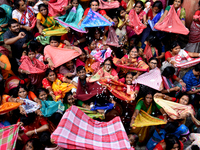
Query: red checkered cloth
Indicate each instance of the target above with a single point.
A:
(78, 131)
(8, 137)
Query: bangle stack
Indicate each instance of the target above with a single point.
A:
(35, 131)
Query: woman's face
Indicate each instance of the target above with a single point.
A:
(176, 50)
(156, 10)
(22, 6)
(29, 146)
(70, 100)
(94, 6)
(148, 99)
(133, 53)
(116, 22)
(175, 147)
(43, 11)
(184, 100)
(75, 3)
(97, 35)
(70, 65)
(22, 93)
(43, 95)
(153, 64)
(129, 79)
(177, 3)
(31, 55)
(93, 45)
(107, 66)
(138, 8)
(54, 43)
(82, 57)
(51, 76)
(123, 13)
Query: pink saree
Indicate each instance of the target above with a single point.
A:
(56, 8)
(108, 5)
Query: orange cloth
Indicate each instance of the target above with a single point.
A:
(6, 107)
(5, 72)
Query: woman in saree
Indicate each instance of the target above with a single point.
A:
(24, 15)
(141, 14)
(153, 16)
(194, 36)
(106, 72)
(46, 25)
(68, 69)
(74, 13)
(131, 62)
(94, 6)
(170, 142)
(5, 15)
(57, 84)
(146, 104)
(180, 11)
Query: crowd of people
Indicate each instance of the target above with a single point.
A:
(130, 59)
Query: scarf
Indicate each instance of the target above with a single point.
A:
(8, 106)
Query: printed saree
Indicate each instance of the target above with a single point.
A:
(59, 88)
(5, 20)
(143, 121)
(129, 64)
(72, 18)
(53, 28)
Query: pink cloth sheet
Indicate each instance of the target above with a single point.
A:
(108, 5)
(57, 7)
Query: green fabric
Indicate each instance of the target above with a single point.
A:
(141, 106)
(73, 16)
(44, 40)
(5, 20)
(168, 8)
(77, 103)
(50, 107)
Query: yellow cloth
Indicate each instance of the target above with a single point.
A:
(60, 88)
(130, 5)
(41, 18)
(175, 110)
(121, 22)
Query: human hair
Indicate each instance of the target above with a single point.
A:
(48, 71)
(16, 4)
(168, 71)
(77, 1)
(115, 18)
(33, 45)
(195, 147)
(79, 68)
(133, 48)
(42, 5)
(149, 92)
(2, 13)
(41, 90)
(1, 88)
(132, 73)
(83, 51)
(141, 3)
(170, 140)
(55, 38)
(181, 1)
(171, 127)
(35, 143)
(197, 67)
(158, 4)
(45, 138)
(11, 21)
(21, 86)
(93, 1)
(28, 119)
(89, 41)
(153, 58)
(135, 39)
(111, 61)
(66, 97)
(118, 10)
(30, 50)
(173, 45)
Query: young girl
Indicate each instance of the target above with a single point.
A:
(32, 144)
(91, 46)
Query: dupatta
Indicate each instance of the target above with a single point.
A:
(150, 51)
(135, 21)
(129, 64)
(60, 56)
(53, 28)
(31, 17)
(175, 110)
(155, 20)
(34, 67)
(94, 19)
(112, 38)
(108, 5)
(72, 19)
(172, 23)
(59, 88)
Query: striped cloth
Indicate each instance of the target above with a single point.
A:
(78, 131)
(8, 137)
